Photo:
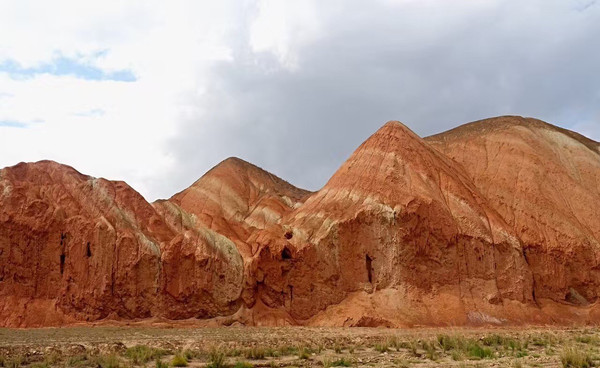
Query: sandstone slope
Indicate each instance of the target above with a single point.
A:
(73, 247)
(402, 232)
(545, 182)
(493, 222)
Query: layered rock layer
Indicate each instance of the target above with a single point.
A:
(493, 222)
(545, 182)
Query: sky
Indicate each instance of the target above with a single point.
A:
(157, 92)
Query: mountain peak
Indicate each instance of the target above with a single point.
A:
(509, 123)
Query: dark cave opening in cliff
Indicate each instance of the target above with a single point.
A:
(88, 250)
(62, 263)
(286, 253)
(369, 265)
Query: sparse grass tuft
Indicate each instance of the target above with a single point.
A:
(255, 353)
(586, 339)
(457, 355)
(160, 364)
(243, 365)
(337, 363)
(109, 361)
(430, 350)
(343, 362)
(575, 358)
(303, 353)
(216, 359)
(77, 361)
(287, 350)
(477, 351)
(179, 361)
(382, 348)
(141, 354)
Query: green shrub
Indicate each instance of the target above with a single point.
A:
(179, 361)
(479, 352)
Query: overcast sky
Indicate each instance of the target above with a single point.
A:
(157, 92)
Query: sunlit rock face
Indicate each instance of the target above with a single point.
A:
(495, 222)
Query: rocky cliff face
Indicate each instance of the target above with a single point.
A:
(544, 181)
(74, 247)
(493, 222)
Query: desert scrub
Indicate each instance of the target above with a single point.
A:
(337, 348)
(243, 365)
(179, 361)
(77, 361)
(255, 353)
(587, 339)
(15, 362)
(160, 364)
(457, 355)
(107, 361)
(337, 363)
(430, 351)
(448, 342)
(303, 353)
(477, 351)
(575, 358)
(286, 350)
(189, 354)
(394, 343)
(216, 359)
(141, 354)
(382, 348)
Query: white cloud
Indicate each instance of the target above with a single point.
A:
(291, 86)
(168, 47)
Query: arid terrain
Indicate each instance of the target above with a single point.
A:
(118, 346)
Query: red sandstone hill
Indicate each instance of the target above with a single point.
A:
(492, 222)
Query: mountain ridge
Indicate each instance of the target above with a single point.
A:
(492, 222)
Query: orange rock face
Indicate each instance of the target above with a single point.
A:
(544, 181)
(493, 222)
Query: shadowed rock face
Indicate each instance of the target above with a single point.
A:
(73, 247)
(493, 222)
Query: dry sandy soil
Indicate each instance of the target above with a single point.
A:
(119, 346)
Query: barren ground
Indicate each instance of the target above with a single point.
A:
(124, 346)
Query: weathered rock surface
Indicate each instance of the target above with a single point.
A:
(545, 182)
(493, 222)
(73, 247)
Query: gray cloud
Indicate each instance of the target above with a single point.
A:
(431, 67)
